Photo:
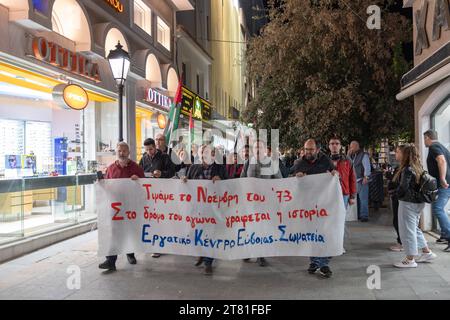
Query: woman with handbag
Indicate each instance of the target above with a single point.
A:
(410, 208)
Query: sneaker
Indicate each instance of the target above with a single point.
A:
(312, 268)
(107, 265)
(426, 257)
(131, 259)
(262, 262)
(406, 263)
(396, 248)
(208, 270)
(156, 255)
(325, 272)
(447, 249)
(442, 241)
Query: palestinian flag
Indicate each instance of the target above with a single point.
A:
(174, 113)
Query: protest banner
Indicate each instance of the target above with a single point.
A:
(231, 219)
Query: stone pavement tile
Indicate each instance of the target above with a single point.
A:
(427, 283)
(35, 292)
(420, 271)
(102, 295)
(435, 294)
(443, 269)
(20, 275)
(338, 293)
(395, 293)
(44, 274)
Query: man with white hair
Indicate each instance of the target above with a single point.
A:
(123, 167)
(361, 164)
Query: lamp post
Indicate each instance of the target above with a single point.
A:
(119, 61)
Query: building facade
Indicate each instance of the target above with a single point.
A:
(50, 44)
(429, 81)
(228, 43)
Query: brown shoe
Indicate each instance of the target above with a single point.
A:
(208, 270)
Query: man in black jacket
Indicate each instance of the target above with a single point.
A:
(155, 163)
(315, 162)
(208, 170)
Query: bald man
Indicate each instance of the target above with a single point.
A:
(315, 162)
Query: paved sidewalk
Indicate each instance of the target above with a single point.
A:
(43, 274)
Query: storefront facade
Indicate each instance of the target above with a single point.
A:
(429, 81)
(55, 43)
(152, 108)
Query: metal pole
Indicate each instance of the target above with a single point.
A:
(120, 112)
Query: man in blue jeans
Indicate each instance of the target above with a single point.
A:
(438, 162)
(361, 164)
(208, 170)
(315, 162)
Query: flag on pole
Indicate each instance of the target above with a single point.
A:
(191, 130)
(174, 113)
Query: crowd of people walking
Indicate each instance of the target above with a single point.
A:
(353, 169)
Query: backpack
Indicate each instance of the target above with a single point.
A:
(428, 188)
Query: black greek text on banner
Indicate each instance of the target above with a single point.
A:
(232, 219)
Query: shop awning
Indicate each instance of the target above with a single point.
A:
(424, 83)
(430, 71)
(35, 81)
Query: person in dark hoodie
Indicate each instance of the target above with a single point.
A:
(208, 170)
(315, 162)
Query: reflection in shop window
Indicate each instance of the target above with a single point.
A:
(441, 123)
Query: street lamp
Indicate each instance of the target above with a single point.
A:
(119, 61)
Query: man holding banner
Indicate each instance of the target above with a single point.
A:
(123, 167)
(208, 170)
(155, 163)
(315, 162)
(262, 167)
(230, 220)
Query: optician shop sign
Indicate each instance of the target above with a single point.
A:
(155, 97)
(63, 58)
(70, 96)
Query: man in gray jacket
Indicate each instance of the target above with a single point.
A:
(361, 163)
(263, 167)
